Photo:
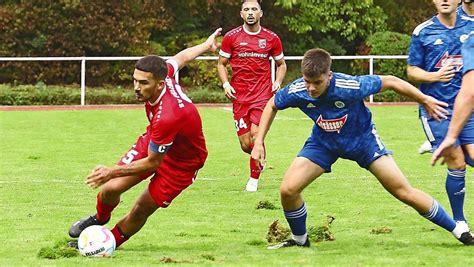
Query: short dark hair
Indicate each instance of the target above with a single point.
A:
(316, 62)
(153, 64)
(258, 1)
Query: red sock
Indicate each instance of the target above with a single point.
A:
(255, 168)
(120, 238)
(104, 211)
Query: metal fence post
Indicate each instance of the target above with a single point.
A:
(83, 81)
(371, 72)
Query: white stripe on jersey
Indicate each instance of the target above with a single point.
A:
(420, 27)
(296, 87)
(224, 54)
(467, 18)
(349, 84)
(182, 94)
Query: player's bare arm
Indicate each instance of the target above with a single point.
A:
(435, 108)
(101, 174)
(280, 74)
(444, 74)
(268, 115)
(189, 54)
(229, 91)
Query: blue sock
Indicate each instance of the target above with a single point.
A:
(297, 220)
(438, 215)
(455, 188)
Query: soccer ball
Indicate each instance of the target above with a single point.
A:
(96, 241)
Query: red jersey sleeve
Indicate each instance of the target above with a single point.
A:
(226, 47)
(172, 67)
(277, 48)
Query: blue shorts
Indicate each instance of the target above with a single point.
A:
(321, 153)
(436, 131)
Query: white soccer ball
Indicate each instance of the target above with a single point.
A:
(96, 241)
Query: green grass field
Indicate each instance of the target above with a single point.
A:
(46, 155)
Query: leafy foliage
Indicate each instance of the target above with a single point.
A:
(344, 21)
(378, 44)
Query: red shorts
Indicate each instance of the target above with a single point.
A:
(246, 114)
(168, 181)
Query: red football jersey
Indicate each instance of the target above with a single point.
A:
(175, 122)
(249, 56)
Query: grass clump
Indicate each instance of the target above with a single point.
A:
(59, 250)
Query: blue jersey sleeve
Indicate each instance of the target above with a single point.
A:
(370, 84)
(289, 96)
(468, 54)
(416, 52)
(355, 87)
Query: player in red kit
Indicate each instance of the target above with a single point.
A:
(248, 49)
(172, 150)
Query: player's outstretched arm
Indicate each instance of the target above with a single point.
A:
(444, 74)
(101, 174)
(268, 114)
(189, 54)
(434, 107)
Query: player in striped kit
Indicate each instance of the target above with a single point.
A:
(435, 61)
(248, 49)
(343, 128)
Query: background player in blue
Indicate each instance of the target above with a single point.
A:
(344, 129)
(462, 106)
(467, 8)
(435, 61)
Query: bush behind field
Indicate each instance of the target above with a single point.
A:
(41, 94)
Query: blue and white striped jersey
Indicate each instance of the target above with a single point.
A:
(434, 46)
(468, 54)
(340, 116)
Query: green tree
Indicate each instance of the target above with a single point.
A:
(351, 19)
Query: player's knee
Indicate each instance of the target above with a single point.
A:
(245, 147)
(110, 190)
(288, 192)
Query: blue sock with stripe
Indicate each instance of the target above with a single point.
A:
(297, 221)
(455, 188)
(438, 215)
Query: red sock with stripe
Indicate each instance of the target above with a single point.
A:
(120, 237)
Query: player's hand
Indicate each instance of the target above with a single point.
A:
(229, 91)
(276, 86)
(258, 154)
(211, 40)
(444, 150)
(446, 73)
(435, 108)
(98, 176)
